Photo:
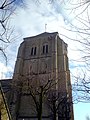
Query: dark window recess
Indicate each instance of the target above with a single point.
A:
(46, 48)
(32, 51)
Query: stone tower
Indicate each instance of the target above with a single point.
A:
(41, 58)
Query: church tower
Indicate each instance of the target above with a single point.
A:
(41, 58)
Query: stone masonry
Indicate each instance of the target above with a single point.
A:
(40, 58)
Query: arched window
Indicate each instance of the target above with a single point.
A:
(45, 49)
(33, 50)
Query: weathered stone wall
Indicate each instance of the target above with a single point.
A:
(42, 57)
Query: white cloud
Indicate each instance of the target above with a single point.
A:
(32, 20)
(3, 70)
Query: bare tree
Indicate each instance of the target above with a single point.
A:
(41, 94)
(7, 10)
(81, 89)
(38, 89)
(34, 88)
(87, 118)
(80, 26)
(59, 104)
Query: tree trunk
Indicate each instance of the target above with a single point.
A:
(40, 112)
(40, 105)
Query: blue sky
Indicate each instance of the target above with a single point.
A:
(31, 21)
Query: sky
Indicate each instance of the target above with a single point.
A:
(30, 20)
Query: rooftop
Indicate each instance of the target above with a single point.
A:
(43, 35)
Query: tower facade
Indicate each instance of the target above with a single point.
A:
(40, 59)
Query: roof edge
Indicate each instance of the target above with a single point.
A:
(42, 35)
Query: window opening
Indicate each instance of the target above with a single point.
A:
(45, 49)
(33, 51)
